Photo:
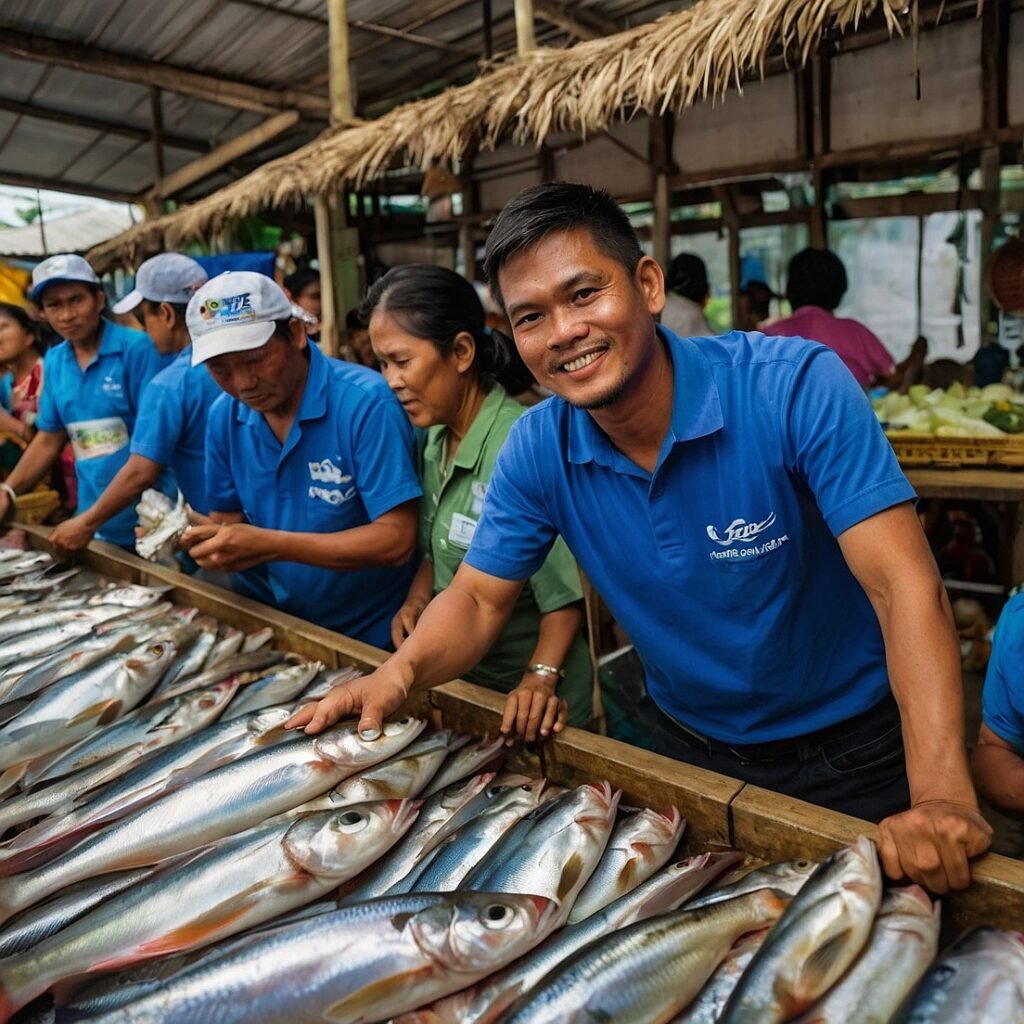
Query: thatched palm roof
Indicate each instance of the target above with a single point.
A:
(697, 53)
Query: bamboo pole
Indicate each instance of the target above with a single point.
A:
(525, 39)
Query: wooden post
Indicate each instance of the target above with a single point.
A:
(488, 16)
(822, 144)
(324, 209)
(990, 221)
(155, 203)
(723, 193)
(660, 158)
(525, 39)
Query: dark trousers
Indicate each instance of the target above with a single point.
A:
(856, 766)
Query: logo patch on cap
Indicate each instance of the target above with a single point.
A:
(231, 309)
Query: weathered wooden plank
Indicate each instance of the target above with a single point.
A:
(576, 756)
(771, 826)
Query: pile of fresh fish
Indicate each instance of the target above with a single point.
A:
(171, 854)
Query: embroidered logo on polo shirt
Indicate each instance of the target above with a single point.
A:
(744, 533)
(740, 530)
(110, 386)
(326, 472)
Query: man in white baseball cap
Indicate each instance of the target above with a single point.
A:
(170, 429)
(310, 470)
(93, 382)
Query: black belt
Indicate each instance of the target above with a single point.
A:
(803, 748)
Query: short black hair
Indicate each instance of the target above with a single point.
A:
(559, 206)
(816, 277)
(298, 281)
(436, 304)
(20, 316)
(355, 321)
(688, 276)
(179, 307)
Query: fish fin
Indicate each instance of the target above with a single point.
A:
(359, 1004)
(199, 932)
(103, 712)
(12, 776)
(814, 974)
(571, 872)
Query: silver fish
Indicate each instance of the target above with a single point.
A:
(214, 806)
(397, 863)
(162, 526)
(157, 776)
(472, 758)
(147, 728)
(903, 943)
(365, 963)
(398, 778)
(647, 972)
(229, 643)
(280, 684)
(245, 881)
(47, 640)
(711, 1000)
(980, 980)
(664, 891)
(248, 667)
(787, 876)
(192, 662)
(641, 843)
(130, 595)
(820, 935)
(94, 697)
(552, 851)
(47, 918)
(257, 639)
(327, 680)
(446, 866)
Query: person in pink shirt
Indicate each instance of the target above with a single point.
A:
(815, 285)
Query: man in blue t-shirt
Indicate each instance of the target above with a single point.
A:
(998, 759)
(310, 471)
(741, 513)
(170, 429)
(92, 385)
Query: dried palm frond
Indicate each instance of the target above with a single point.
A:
(669, 64)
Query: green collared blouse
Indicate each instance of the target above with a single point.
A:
(449, 513)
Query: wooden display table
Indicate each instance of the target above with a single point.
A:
(720, 811)
(1004, 487)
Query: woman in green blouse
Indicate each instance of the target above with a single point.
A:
(427, 330)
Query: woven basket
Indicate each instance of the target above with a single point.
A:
(35, 506)
(914, 449)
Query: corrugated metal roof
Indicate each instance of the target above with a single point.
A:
(87, 131)
(73, 232)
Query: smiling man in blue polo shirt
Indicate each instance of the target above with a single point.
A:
(742, 514)
(310, 471)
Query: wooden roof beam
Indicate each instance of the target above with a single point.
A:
(95, 124)
(226, 91)
(177, 181)
(74, 188)
(583, 25)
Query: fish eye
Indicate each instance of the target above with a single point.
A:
(351, 821)
(405, 721)
(525, 788)
(496, 916)
(495, 790)
(803, 865)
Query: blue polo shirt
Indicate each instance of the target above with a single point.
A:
(171, 426)
(98, 407)
(1002, 699)
(722, 566)
(347, 460)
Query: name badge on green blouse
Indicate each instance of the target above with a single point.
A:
(479, 490)
(460, 533)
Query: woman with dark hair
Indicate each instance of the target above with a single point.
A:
(21, 355)
(428, 332)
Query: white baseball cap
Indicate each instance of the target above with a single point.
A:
(63, 267)
(169, 277)
(234, 312)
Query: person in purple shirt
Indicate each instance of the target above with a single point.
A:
(815, 286)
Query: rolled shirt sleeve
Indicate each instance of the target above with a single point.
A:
(1002, 700)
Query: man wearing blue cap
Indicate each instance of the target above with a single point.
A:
(171, 425)
(310, 472)
(94, 381)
